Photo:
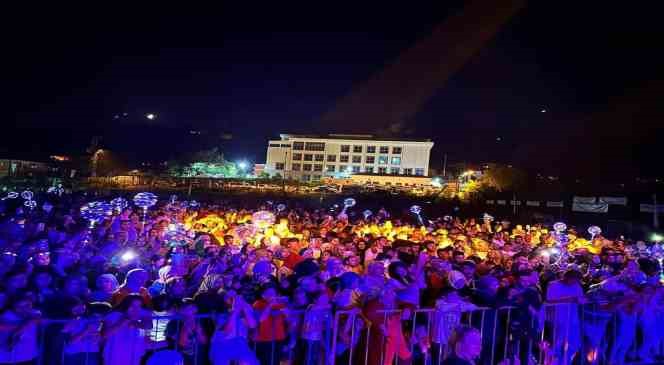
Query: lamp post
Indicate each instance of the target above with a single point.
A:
(283, 176)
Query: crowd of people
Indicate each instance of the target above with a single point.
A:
(266, 283)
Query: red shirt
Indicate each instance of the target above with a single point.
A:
(273, 328)
(119, 295)
(292, 260)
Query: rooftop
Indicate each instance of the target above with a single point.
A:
(358, 137)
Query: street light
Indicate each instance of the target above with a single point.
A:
(151, 116)
(242, 165)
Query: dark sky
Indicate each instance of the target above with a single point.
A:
(259, 71)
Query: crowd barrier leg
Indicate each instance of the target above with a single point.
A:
(493, 336)
(566, 342)
(427, 354)
(368, 341)
(507, 331)
(353, 318)
(383, 339)
(335, 333)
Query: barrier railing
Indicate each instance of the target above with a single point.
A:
(560, 334)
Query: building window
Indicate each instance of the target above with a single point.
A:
(318, 167)
(419, 172)
(394, 171)
(370, 159)
(331, 158)
(297, 157)
(407, 171)
(396, 160)
(296, 167)
(345, 148)
(298, 146)
(371, 149)
(357, 149)
(306, 177)
(396, 150)
(316, 177)
(382, 170)
(308, 157)
(343, 168)
(285, 145)
(320, 157)
(330, 168)
(314, 146)
(279, 166)
(369, 169)
(356, 169)
(306, 167)
(357, 159)
(382, 160)
(274, 145)
(343, 158)
(384, 149)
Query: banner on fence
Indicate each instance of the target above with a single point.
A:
(559, 204)
(515, 202)
(650, 208)
(501, 202)
(613, 200)
(490, 202)
(531, 203)
(590, 208)
(584, 200)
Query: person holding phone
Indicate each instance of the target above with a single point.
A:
(230, 338)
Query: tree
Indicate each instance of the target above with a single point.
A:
(204, 163)
(502, 178)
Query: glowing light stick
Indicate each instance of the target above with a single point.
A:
(27, 195)
(367, 213)
(194, 204)
(56, 190)
(94, 212)
(561, 240)
(417, 210)
(281, 208)
(11, 195)
(348, 203)
(128, 256)
(30, 204)
(263, 218)
(145, 200)
(119, 204)
(594, 231)
(173, 199)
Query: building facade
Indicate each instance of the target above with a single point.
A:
(22, 168)
(312, 158)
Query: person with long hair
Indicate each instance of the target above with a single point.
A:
(124, 332)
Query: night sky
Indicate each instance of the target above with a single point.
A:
(256, 72)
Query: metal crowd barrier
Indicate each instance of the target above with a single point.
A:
(555, 334)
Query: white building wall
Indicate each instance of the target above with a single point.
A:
(414, 156)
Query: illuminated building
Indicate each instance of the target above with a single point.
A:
(312, 158)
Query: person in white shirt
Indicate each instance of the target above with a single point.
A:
(565, 295)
